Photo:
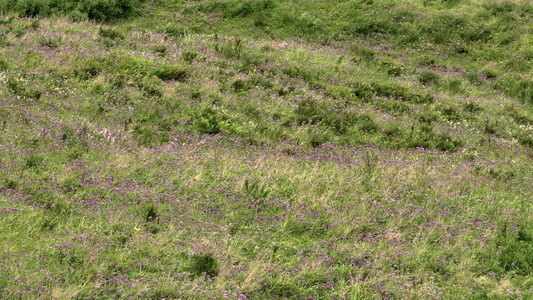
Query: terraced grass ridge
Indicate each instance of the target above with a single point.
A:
(167, 149)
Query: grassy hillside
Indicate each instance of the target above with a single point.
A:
(164, 149)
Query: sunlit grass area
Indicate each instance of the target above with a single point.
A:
(168, 149)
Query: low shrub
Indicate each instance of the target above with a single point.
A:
(175, 30)
(208, 121)
(454, 85)
(101, 10)
(111, 33)
(131, 65)
(246, 8)
(524, 90)
(425, 137)
(33, 160)
(428, 78)
(168, 72)
(393, 67)
(23, 89)
(203, 264)
(367, 92)
(472, 107)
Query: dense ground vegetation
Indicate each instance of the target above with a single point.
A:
(164, 149)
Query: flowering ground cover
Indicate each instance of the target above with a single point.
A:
(178, 155)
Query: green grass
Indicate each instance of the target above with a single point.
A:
(165, 149)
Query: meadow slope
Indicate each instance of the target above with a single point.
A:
(166, 150)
